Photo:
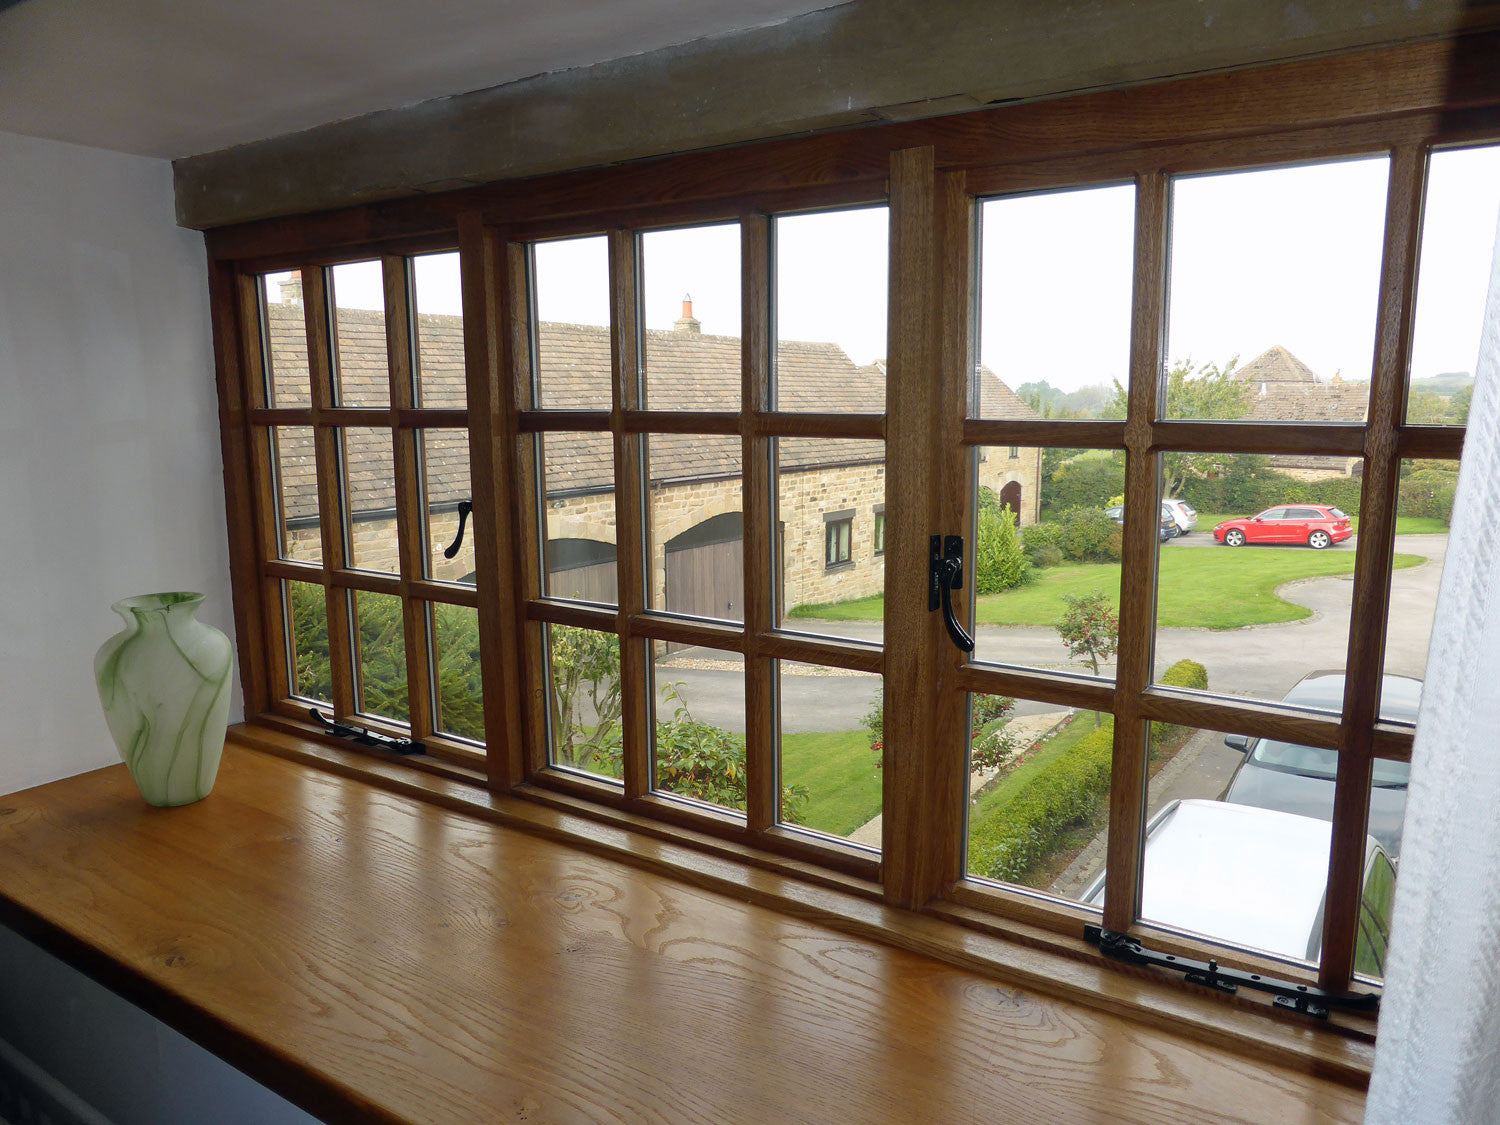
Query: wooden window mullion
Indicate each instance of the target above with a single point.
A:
(332, 522)
(1127, 801)
(1373, 563)
(636, 689)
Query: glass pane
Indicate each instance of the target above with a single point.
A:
(578, 517)
(358, 297)
(830, 297)
(698, 740)
(308, 664)
(1424, 505)
(830, 743)
(438, 301)
(445, 485)
(1275, 275)
(822, 483)
(460, 694)
(1236, 851)
(380, 658)
(370, 493)
(1255, 599)
(1046, 558)
(1453, 274)
(583, 668)
(1039, 796)
(696, 525)
(571, 279)
(296, 468)
(288, 383)
(1048, 263)
(690, 297)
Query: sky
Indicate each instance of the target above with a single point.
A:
(1286, 256)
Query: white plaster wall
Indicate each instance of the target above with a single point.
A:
(110, 471)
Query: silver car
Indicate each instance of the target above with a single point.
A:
(1183, 513)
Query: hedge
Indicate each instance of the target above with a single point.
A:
(1183, 674)
(1019, 836)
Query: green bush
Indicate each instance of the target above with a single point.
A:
(1427, 489)
(1016, 838)
(1243, 484)
(1183, 674)
(999, 562)
(1088, 535)
(1042, 543)
(1084, 481)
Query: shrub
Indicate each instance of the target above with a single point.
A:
(1086, 481)
(1183, 674)
(1042, 543)
(1090, 628)
(1044, 557)
(989, 744)
(999, 562)
(1088, 535)
(1427, 489)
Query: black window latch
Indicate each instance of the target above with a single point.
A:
(1289, 997)
(945, 573)
(464, 508)
(365, 737)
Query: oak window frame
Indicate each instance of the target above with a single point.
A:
(932, 174)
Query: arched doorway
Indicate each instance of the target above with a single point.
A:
(706, 569)
(1010, 496)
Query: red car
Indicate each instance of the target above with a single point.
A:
(1317, 525)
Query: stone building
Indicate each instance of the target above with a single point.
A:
(1284, 389)
(830, 492)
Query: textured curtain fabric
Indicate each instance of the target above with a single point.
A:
(1438, 1058)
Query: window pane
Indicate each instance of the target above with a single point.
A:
(1049, 263)
(358, 298)
(1255, 598)
(460, 694)
(583, 668)
(1424, 505)
(578, 517)
(370, 493)
(288, 383)
(571, 279)
(1045, 558)
(696, 525)
(446, 485)
(698, 739)
(1275, 275)
(819, 482)
(1039, 796)
(1236, 851)
(690, 299)
(438, 301)
(1453, 274)
(830, 744)
(380, 658)
(830, 297)
(296, 469)
(307, 613)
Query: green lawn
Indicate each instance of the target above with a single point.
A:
(841, 775)
(1405, 525)
(1210, 587)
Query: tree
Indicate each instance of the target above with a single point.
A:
(1206, 391)
(1090, 629)
(1000, 563)
(586, 660)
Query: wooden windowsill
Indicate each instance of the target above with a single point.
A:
(407, 948)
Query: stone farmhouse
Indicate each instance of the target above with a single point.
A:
(830, 492)
(1284, 389)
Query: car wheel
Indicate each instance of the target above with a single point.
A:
(1318, 540)
(1234, 537)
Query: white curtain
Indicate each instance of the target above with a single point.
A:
(1438, 1052)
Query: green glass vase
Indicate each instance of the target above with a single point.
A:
(164, 682)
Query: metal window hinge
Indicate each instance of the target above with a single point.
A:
(366, 737)
(1287, 996)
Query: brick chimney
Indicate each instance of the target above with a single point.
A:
(291, 289)
(687, 322)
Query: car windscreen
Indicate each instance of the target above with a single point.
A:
(1312, 762)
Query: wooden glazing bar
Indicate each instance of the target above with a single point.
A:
(535, 658)
(239, 447)
(1127, 801)
(1047, 433)
(569, 421)
(375, 417)
(556, 611)
(1248, 437)
(1438, 442)
(297, 571)
(758, 504)
(411, 536)
(686, 631)
(813, 650)
(328, 457)
(280, 415)
(1373, 563)
(1241, 716)
(637, 694)
(431, 240)
(1392, 741)
(931, 221)
(1046, 687)
(680, 422)
(280, 677)
(449, 593)
(784, 424)
(368, 580)
(452, 418)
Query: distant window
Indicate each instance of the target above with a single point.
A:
(838, 535)
(1015, 453)
(880, 531)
